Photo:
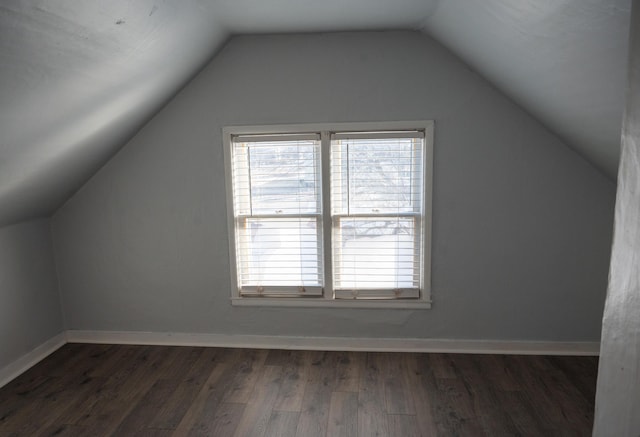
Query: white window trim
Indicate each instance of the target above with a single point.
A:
(327, 300)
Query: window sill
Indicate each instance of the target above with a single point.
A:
(330, 303)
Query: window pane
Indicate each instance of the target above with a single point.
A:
(276, 177)
(279, 251)
(376, 175)
(376, 253)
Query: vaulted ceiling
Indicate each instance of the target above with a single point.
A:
(79, 78)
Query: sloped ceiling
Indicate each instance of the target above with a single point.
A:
(79, 78)
(562, 60)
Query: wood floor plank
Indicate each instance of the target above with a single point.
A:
(201, 413)
(55, 401)
(17, 400)
(343, 414)
(77, 406)
(27, 385)
(520, 414)
(579, 371)
(278, 357)
(177, 363)
(404, 425)
(282, 424)
(153, 432)
(64, 431)
(441, 366)
(147, 408)
(372, 414)
(483, 393)
(499, 369)
(123, 391)
(424, 408)
(249, 365)
(53, 364)
(457, 397)
(570, 400)
(114, 361)
(348, 369)
(541, 392)
(446, 419)
(454, 403)
(258, 410)
(294, 379)
(397, 389)
(60, 389)
(314, 412)
(169, 415)
(81, 359)
(220, 421)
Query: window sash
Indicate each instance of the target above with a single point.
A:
(398, 186)
(272, 256)
(368, 259)
(374, 263)
(277, 205)
(276, 177)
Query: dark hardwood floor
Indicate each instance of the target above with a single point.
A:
(95, 390)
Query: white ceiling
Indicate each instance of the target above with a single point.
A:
(77, 79)
(562, 60)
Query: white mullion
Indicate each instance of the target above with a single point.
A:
(275, 216)
(327, 246)
(376, 135)
(376, 215)
(426, 210)
(275, 138)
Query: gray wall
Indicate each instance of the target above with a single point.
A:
(521, 226)
(618, 395)
(29, 301)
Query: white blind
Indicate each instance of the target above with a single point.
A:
(277, 210)
(376, 211)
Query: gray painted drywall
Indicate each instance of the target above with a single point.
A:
(618, 391)
(29, 302)
(521, 226)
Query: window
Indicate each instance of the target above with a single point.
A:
(330, 214)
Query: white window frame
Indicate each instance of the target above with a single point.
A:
(325, 129)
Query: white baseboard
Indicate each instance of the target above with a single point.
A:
(338, 343)
(24, 363)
